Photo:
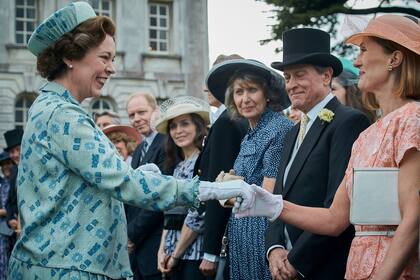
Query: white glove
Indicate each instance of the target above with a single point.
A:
(265, 204)
(228, 189)
(149, 167)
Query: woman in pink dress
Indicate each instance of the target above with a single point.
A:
(389, 63)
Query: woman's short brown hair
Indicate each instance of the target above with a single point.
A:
(74, 45)
(408, 74)
(272, 91)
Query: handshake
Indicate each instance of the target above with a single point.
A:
(251, 200)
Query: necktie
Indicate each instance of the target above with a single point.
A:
(303, 124)
(143, 150)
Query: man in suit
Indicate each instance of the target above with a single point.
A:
(314, 158)
(144, 227)
(13, 140)
(219, 154)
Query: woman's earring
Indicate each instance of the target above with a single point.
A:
(71, 66)
(390, 68)
(268, 100)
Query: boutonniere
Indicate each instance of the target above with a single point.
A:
(326, 115)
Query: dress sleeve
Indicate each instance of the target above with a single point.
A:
(73, 139)
(195, 221)
(407, 136)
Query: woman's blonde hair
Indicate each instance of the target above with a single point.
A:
(129, 141)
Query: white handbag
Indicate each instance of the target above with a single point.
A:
(375, 197)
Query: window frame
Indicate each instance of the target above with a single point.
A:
(100, 11)
(25, 20)
(26, 97)
(102, 100)
(158, 28)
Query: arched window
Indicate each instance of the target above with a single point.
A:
(101, 104)
(22, 105)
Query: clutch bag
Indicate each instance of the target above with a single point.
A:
(375, 197)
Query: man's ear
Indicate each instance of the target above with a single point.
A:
(327, 77)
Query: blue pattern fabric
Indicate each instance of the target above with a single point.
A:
(71, 187)
(258, 157)
(194, 220)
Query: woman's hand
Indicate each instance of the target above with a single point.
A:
(172, 263)
(264, 204)
(3, 212)
(222, 177)
(226, 190)
(163, 262)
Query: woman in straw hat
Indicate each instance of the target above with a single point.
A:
(389, 64)
(185, 120)
(72, 183)
(125, 139)
(254, 92)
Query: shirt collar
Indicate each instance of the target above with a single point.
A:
(149, 138)
(216, 114)
(60, 90)
(313, 113)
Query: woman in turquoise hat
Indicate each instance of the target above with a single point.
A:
(344, 87)
(72, 183)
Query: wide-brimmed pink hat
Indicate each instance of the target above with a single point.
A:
(130, 131)
(402, 30)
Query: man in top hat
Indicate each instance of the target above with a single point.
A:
(314, 158)
(13, 140)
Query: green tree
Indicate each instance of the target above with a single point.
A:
(324, 14)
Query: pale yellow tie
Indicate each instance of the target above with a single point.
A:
(303, 124)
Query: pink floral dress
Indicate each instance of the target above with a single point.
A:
(383, 144)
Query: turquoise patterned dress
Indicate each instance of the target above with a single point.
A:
(71, 188)
(258, 157)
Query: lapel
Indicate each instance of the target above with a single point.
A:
(151, 151)
(308, 144)
(289, 144)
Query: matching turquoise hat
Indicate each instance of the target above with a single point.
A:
(57, 24)
(348, 66)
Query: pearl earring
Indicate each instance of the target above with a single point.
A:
(390, 68)
(71, 66)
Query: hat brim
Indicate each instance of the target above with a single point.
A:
(162, 124)
(317, 59)
(218, 77)
(128, 130)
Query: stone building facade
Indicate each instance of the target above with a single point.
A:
(162, 48)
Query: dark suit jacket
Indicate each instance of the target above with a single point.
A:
(219, 154)
(144, 227)
(11, 205)
(313, 179)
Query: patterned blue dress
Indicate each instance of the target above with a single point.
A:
(194, 221)
(258, 157)
(71, 187)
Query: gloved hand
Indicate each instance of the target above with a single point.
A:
(265, 204)
(222, 177)
(149, 167)
(228, 189)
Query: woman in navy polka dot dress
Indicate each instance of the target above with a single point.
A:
(254, 91)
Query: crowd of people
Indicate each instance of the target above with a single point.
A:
(254, 183)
